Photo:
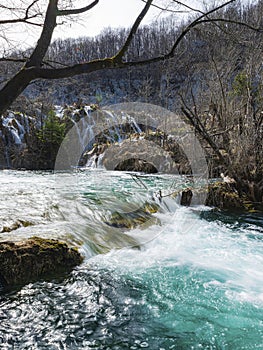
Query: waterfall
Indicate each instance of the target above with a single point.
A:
(92, 126)
(134, 125)
(14, 128)
(116, 128)
(113, 129)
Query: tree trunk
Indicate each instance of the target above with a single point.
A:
(14, 88)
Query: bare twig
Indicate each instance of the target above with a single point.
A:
(166, 9)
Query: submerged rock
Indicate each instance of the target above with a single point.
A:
(16, 225)
(36, 258)
(137, 217)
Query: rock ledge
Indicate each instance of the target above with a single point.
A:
(35, 258)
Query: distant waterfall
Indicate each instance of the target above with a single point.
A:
(17, 129)
(114, 129)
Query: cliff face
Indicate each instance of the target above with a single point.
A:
(151, 84)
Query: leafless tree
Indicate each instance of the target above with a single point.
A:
(226, 111)
(34, 66)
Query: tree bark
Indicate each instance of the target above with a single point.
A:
(43, 43)
(15, 87)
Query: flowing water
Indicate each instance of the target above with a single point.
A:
(190, 278)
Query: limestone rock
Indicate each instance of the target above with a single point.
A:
(139, 165)
(135, 218)
(36, 258)
(224, 196)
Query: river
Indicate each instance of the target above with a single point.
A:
(190, 278)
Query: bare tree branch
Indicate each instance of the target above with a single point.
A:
(198, 126)
(77, 11)
(166, 9)
(193, 24)
(24, 19)
(120, 54)
(29, 7)
(34, 69)
(211, 20)
(21, 20)
(10, 59)
(188, 7)
(116, 61)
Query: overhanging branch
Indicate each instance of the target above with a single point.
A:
(81, 68)
(193, 24)
(116, 61)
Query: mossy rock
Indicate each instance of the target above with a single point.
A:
(224, 196)
(132, 219)
(16, 225)
(33, 259)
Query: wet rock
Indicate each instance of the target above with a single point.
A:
(186, 197)
(132, 155)
(33, 259)
(16, 225)
(138, 165)
(135, 218)
(224, 196)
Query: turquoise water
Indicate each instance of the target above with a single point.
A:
(195, 282)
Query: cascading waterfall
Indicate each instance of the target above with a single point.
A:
(16, 127)
(115, 130)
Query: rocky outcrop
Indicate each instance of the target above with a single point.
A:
(225, 196)
(138, 155)
(14, 226)
(139, 165)
(147, 151)
(36, 258)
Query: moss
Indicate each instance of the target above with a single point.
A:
(34, 259)
(16, 225)
(151, 207)
(134, 218)
(249, 206)
(225, 196)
